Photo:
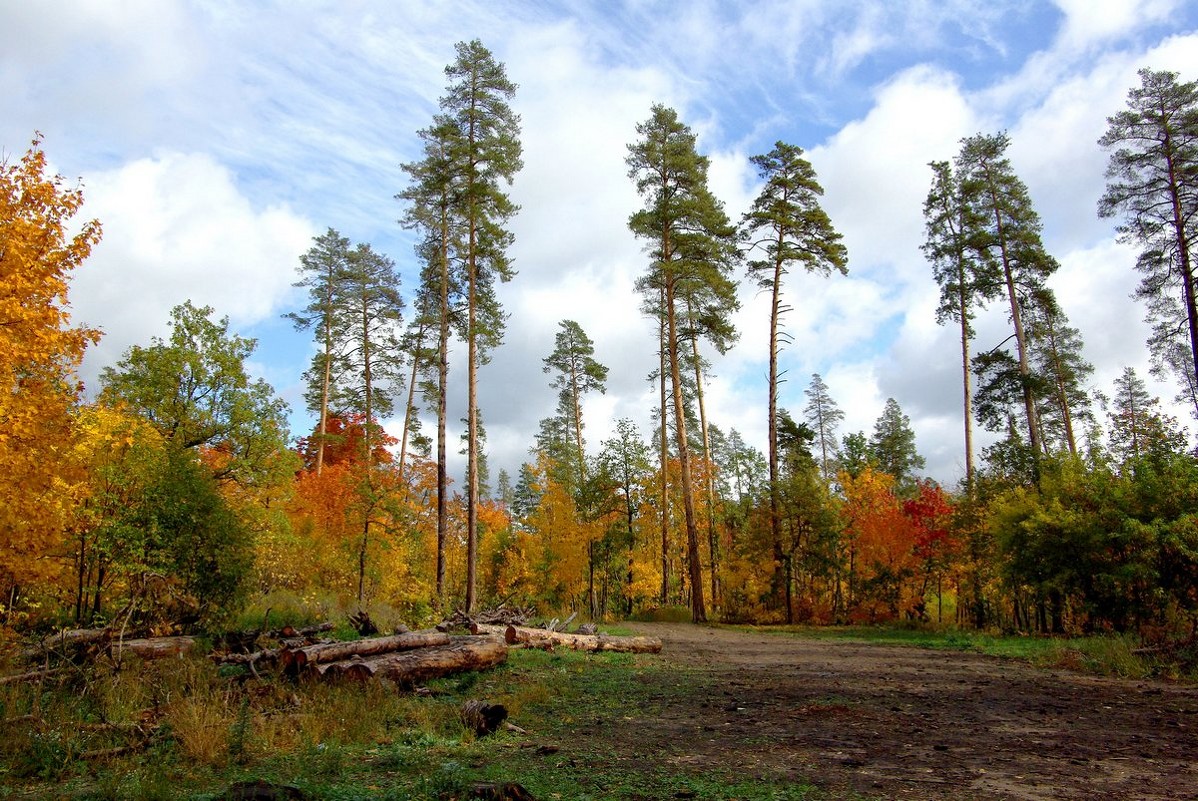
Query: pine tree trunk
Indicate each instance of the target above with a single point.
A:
(665, 461)
(1029, 403)
(368, 458)
(967, 389)
(442, 414)
(327, 378)
(775, 504)
(407, 417)
(471, 439)
(694, 563)
(1183, 252)
(709, 484)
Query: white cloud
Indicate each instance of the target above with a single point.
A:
(215, 139)
(1089, 23)
(177, 228)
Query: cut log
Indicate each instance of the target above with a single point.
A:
(31, 676)
(70, 643)
(540, 638)
(488, 630)
(483, 717)
(152, 648)
(409, 667)
(295, 660)
(75, 638)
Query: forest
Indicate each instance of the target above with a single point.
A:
(177, 498)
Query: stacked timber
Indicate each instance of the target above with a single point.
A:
(409, 667)
(548, 640)
(294, 661)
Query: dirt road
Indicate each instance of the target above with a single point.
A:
(893, 722)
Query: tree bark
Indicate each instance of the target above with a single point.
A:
(694, 564)
(409, 667)
(295, 660)
(153, 647)
(542, 638)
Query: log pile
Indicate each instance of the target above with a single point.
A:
(405, 659)
(408, 668)
(548, 640)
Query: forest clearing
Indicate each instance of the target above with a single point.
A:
(718, 713)
(159, 521)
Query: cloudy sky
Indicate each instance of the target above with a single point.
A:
(214, 140)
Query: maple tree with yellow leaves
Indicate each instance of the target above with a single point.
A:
(39, 352)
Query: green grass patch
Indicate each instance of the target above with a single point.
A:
(1104, 655)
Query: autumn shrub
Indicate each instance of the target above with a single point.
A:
(1108, 655)
(664, 614)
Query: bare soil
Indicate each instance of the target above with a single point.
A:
(899, 722)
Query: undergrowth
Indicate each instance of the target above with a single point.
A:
(193, 731)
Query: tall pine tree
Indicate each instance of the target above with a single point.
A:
(1152, 180)
(1009, 245)
(485, 154)
(693, 247)
(788, 227)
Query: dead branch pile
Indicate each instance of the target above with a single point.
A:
(502, 615)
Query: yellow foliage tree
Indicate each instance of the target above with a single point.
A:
(39, 352)
(120, 455)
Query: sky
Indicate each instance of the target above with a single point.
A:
(215, 140)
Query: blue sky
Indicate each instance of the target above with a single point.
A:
(215, 140)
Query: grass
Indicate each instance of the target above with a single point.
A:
(1105, 655)
(361, 741)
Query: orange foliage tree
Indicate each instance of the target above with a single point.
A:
(39, 351)
(879, 547)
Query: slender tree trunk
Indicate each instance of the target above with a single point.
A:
(1029, 402)
(82, 569)
(471, 436)
(967, 388)
(775, 504)
(709, 483)
(695, 565)
(665, 461)
(1062, 395)
(1183, 252)
(577, 403)
(368, 458)
(407, 417)
(327, 377)
(442, 414)
(629, 514)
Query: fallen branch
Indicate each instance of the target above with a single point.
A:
(565, 624)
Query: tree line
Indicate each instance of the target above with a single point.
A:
(177, 493)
